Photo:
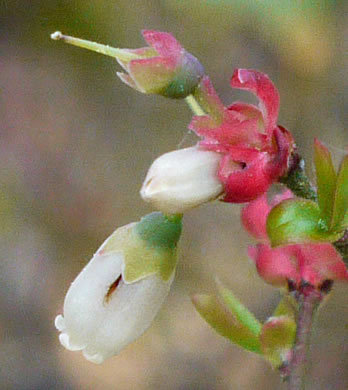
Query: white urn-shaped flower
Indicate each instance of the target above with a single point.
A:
(117, 295)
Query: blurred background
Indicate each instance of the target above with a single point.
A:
(75, 147)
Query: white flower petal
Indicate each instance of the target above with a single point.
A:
(103, 324)
(97, 358)
(59, 323)
(182, 179)
(65, 341)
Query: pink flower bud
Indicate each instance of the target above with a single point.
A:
(164, 68)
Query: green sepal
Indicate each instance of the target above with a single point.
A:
(209, 101)
(326, 181)
(152, 78)
(295, 221)
(277, 339)
(226, 322)
(340, 217)
(149, 246)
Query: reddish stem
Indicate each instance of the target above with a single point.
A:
(295, 371)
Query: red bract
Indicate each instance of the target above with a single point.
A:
(256, 149)
(164, 68)
(309, 263)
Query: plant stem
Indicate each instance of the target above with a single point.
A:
(297, 180)
(206, 97)
(194, 105)
(295, 372)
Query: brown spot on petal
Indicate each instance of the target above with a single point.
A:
(111, 289)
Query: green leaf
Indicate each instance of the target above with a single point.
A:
(326, 180)
(339, 218)
(225, 323)
(242, 314)
(345, 220)
(295, 221)
(277, 339)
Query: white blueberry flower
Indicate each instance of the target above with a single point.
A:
(182, 179)
(117, 295)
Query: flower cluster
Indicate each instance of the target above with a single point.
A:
(240, 153)
(251, 150)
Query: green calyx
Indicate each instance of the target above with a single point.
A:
(149, 246)
(160, 231)
(186, 78)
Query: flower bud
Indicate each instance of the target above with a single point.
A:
(182, 179)
(117, 295)
(164, 67)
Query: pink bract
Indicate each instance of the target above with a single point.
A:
(256, 149)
